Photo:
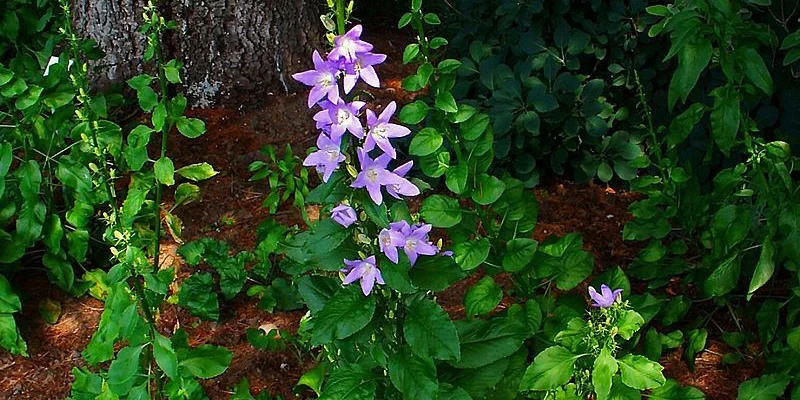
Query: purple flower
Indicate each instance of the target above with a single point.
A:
(389, 240)
(400, 171)
(366, 270)
(347, 46)
(374, 174)
(417, 243)
(447, 253)
(344, 215)
(327, 158)
(340, 117)
(604, 299)
(363, 68)
(381, 130)
(322, 79)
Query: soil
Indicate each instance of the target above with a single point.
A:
(231, 211)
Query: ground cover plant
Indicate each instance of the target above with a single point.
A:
(416, 264)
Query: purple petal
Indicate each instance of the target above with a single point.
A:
(387, 113)
(369, 77)
(354, 274)
(350, 82)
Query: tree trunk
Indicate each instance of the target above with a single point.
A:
(234, 51)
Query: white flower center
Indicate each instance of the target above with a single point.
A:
(348, 46)
(380, 132)
(411, 244)
(386, 239)
(372, 174)
(332, 153)
(325, 80)
(342, 116)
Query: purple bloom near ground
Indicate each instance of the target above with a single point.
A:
(605, 298)
(322, 80)
(344, 215)
(381, 130)
(374, 175)
(417, 243)
(347, 46)
(366, 270)
(327, 158)
(340, 117)
(363, 68)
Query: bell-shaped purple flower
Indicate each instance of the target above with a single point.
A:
(341, 117)
(389, 240)
(347, 46)
(322, 80)
(400, 171)
(417, 243)
(605, 298)
(327, 158)
(366, 270)
(381, 130)
(363, 68)
(374, 175)
(344, 215)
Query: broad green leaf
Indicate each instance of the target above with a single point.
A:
(349, 382)
(59, 271)
(474, 127)
(629, 323)
(471, 254)
(446, 102)
(640, 373)
(347, 312)
(198, 295)
(413, 376)
(519, 253)
(551, 368)
(486, 341)
(9, 301)
(765, 387)
(603, 371)
(191, 127)
(29, 98)
(765, 267)
(724, 278)
(413, 113)
(755, 69)
(124, 370)
(482, 297)
(488, 189)
(164, 171)
(164, 354)
(456, 178)
(206, 361)
(725, 117)
(682, 125)
(672, 390)
(696, 342)
(425, 142)
(10, 337)
(197, 172)
(429, 331)
(692, 60)
(441, 211)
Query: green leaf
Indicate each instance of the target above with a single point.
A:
(551, 369)
(9, 301)
(10, 338)
(695, 344)
(446, 102)
(29, 98)
(350, 382)
(347, 312)
(755, 69)
(603, 371)
(78, 243)
(765, 267)
(191, 127)
(682, 125)
(488, 189)
(425, 142)
(429, 331)
(482, 297)
(432, 19)
(164, 171)
(59, 271)
(186, 193)
(206, 361)
(629, 323)
(472, 253)
(765, 387)
(159, 118)
(672, 390)
(164, 354)
(640, 373)
(413, 376)
(197, 172)
(410, 53)
(725, 117)
(441, 211)
(456, 178)
(519, 253)
(486, 341)
(198, 295)
(724, 278)
(474, 127)
(413, 113)
(124, 370)
(566, 260)
(693, 58)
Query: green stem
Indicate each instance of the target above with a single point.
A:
(340, 20)
(423, 42)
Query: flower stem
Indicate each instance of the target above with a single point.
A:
(340, 20)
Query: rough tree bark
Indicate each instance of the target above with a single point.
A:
(235, 51)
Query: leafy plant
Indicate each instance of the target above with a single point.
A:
(283, 178)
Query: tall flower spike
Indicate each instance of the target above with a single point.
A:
(374, 174)
(347, 46)
(363, 68)
(605, 298)
(366, 270)
(322, 79)
(327, 158)
(381, 130)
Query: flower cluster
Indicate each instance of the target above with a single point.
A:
(332, 80)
